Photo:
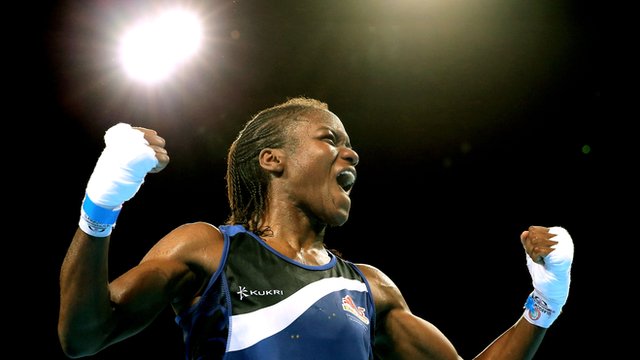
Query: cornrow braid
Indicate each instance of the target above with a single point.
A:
(247, 183)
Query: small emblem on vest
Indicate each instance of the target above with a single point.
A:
(350, 306)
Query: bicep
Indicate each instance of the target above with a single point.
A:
(402, 335)
(142, 293)
(399, 333)
(171, 273)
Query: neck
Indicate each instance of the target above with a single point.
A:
(302, 244)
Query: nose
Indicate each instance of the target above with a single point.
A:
(350, 155)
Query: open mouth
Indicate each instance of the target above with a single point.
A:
(346, 179)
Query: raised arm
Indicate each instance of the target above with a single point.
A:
(549, 258)
(403, 335)
(94, 313)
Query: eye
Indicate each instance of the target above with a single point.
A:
(329, 138)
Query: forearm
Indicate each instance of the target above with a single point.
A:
(92, 310)
(85, 316)
(521, 341)
(549, 258)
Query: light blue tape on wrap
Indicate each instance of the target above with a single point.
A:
(99, 214)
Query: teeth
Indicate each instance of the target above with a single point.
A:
(346, 179)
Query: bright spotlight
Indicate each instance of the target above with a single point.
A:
(152, 49)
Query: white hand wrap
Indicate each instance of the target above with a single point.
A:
(116, 178)
(550, 281)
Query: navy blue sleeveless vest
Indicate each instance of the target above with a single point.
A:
(262, 305)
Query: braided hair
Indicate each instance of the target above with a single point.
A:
(247, 183)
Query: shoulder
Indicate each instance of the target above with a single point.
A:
(198, 231)
(195, 233)
(385, 293)
(197, 244)
(375, 276)
(371, 272)
(188, 254)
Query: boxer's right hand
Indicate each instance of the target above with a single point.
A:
(129, 155)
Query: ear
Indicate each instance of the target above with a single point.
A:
(272, 160)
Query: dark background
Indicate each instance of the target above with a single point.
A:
(473, 120)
